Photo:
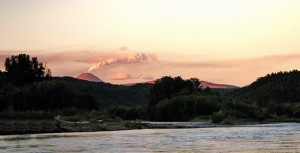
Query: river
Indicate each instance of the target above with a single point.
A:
(279, 137)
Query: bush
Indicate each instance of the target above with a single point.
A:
(218, 117)
(183, 108)
(132, 114)
(28, 115)
(297, 114)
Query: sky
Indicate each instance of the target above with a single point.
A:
(221, 41)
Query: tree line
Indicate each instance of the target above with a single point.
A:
(274, 96)
(27, 85)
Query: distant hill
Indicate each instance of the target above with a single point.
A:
(108, 94)
(217, 86)
(89, 77)
(129, 94)
(147, 82)
(202, 84)
(278, 87)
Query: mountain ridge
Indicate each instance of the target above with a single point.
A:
(202, 84)
(216, 85)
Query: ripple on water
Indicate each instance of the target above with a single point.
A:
(282, 137)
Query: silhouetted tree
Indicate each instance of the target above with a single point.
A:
(132, 114)
(85, 101)
(2, 79)
(22, 70)
(168, 87)
(196, 82)
(207, 90)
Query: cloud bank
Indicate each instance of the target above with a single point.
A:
(238, 72)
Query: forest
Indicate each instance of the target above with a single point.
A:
(272, 97)
(29, 91)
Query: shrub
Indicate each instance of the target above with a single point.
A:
(218, 117)
(297, 114)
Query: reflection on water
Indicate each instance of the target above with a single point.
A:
(283, 137)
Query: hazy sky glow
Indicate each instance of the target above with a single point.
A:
(223, 41)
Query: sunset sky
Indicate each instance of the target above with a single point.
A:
(122, 41)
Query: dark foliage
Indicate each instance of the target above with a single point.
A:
(60, 93)
(278, 87)
(22, 70)
(25, 87)
(168, 87)
(126, 113)
(175, 99)
(107, 94)
(183, 108)
(46, 95)
(276, 95)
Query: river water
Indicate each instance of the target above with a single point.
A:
(281, 137)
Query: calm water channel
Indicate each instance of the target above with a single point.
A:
(281, 137)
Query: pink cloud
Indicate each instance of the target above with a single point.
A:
(120, 76)
(137, 76)
(229, 71)
(147, 77)
(120, 59)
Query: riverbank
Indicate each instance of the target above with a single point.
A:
(11, 127)
(8, 127)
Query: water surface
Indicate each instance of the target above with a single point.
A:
(281, 137)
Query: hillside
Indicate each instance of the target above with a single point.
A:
(109, 94)
(278, 87)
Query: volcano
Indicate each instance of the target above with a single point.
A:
(89, 77)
